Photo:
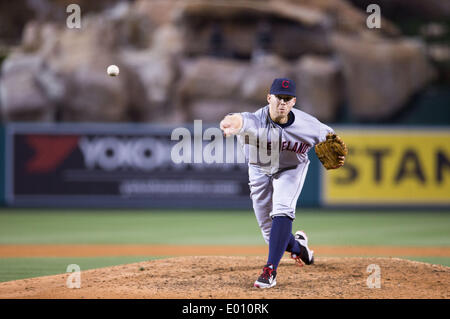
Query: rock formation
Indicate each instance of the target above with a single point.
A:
(200, 59)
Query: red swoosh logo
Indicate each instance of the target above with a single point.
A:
(50, 151)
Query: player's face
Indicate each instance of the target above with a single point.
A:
(280, 105)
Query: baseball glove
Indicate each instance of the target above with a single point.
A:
(330, 151)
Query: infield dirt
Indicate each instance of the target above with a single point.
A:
(214, 277)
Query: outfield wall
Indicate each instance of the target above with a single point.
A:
(392, 166)
(130, 165)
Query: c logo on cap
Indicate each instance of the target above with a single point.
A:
(285, 84)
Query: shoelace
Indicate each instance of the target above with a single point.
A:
(297, 260)
(267, 272)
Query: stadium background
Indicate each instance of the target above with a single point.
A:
(393, 193)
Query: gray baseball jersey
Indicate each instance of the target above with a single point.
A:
(275, 185)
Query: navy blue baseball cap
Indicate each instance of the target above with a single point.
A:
(283, 86)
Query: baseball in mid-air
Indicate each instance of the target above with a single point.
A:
(113, 70)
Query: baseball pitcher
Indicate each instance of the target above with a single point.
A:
(285, 134)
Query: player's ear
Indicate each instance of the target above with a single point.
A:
(268, 98)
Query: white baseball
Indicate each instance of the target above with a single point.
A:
(113, 70)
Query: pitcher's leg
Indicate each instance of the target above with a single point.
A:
(279, 239)
(261, 194)
(287, 187)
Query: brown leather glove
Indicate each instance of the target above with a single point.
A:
(331, 152)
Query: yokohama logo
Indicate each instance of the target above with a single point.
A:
(111, 153)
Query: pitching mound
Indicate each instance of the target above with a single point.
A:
(233, 277)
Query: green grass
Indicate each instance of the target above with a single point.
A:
(216, 227)
(127, 227)
(28, 226)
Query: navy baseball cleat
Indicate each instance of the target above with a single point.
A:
(268, 277)
(306, 255)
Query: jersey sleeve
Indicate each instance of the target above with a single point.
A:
(324, 130)
(249, 122)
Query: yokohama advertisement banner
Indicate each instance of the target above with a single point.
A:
(113, 166)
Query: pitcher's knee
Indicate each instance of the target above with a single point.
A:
(282, 210)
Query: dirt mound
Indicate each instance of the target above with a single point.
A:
(232, 277)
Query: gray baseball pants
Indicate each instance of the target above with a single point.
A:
(275, 195)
